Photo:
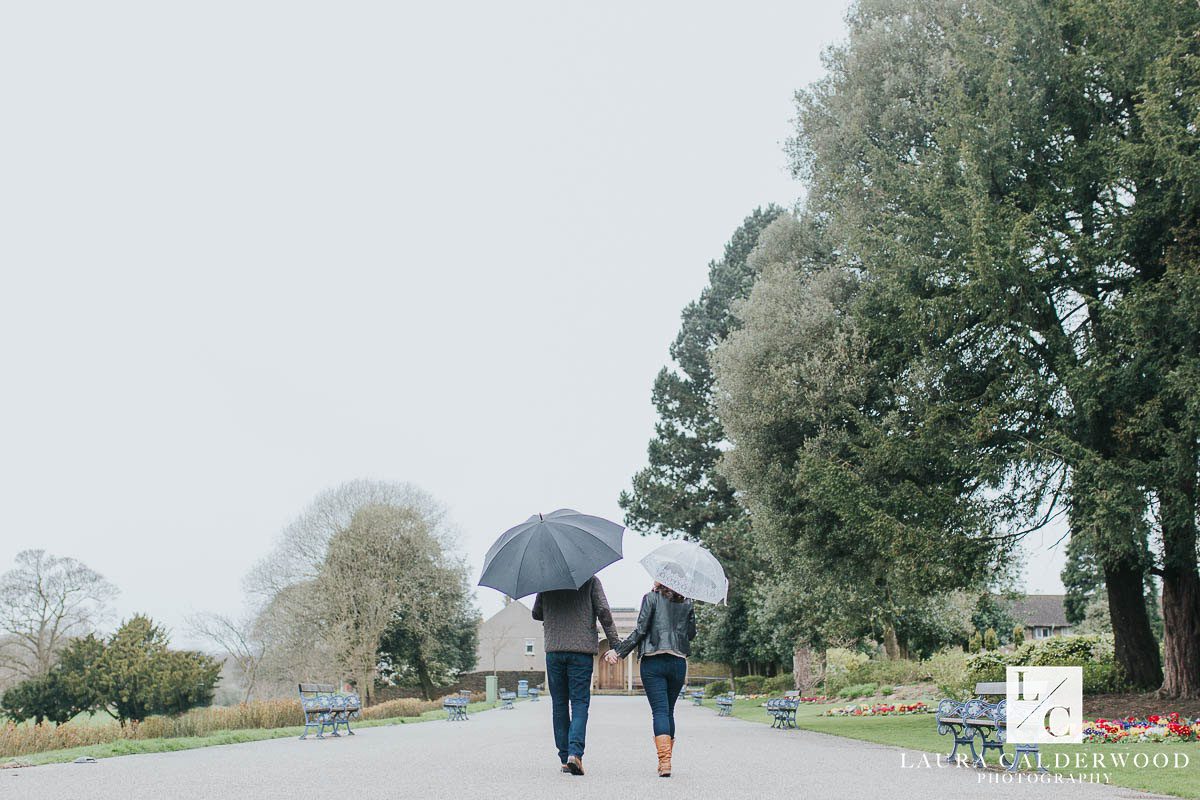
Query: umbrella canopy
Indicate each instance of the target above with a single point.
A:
(689, 569)
(559, 550)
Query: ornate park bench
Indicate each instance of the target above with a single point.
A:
(697, 696)
(783, 711)
(455, 706)
(724, 704)
(324, 706)
(506, 699)
(533, 694)
(968, 720)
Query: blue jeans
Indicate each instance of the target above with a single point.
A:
(569, 679)
(663, 677)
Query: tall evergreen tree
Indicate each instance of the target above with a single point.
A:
(994, 170)
(680, 492)
(861, 497)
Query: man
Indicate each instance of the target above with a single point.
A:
(569, 626)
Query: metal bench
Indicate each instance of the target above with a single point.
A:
(968, 720)
(533, 694)
(325, 707)
(697, 697)
(455, 706)
(506, 699)
(345, 708)
(725, 705)
(782, 711)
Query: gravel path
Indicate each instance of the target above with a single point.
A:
(511, 754)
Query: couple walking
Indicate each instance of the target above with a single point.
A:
(666, 625)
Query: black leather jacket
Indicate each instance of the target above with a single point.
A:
(661, 625)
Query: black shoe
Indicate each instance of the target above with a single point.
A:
(575, 765)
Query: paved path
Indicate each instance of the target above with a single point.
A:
(510, 754)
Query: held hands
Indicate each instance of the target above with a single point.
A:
(611, 657)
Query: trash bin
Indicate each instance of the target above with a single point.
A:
(522, 688)
(489, 684)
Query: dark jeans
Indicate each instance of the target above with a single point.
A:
(569, 679)
(663, 677)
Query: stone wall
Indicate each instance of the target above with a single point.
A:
(474, 681)
(477, 681)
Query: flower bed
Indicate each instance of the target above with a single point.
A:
(820, 699)
(1154, 728)
(878, 710)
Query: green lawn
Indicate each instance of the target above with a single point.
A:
(125, 747)
(919, 732)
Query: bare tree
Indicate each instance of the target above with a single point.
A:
(374, 568)
(494, 643)
(300, 552)
(360, 557)
(45, 601)
(298, 648)
(239, 639)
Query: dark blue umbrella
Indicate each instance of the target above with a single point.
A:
(559, 550)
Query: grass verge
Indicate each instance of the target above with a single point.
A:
(919, 732)
(126, 747)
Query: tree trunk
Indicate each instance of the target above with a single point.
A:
(802, 667)
(1134, 645)
(366, 686)
(891, 645)
(1106, 515)
(1181, 585)
(1181, 635)
(424, 678)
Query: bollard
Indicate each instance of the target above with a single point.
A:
(490, 684)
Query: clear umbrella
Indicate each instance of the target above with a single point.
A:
(689, 569)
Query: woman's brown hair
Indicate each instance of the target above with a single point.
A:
(667, 592)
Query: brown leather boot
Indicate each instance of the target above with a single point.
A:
(663, 745)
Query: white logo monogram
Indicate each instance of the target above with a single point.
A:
(1045, 705)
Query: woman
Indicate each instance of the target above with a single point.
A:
(666, 626)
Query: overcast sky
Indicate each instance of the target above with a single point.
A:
(252, 250)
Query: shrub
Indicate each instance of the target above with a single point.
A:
(975, 643)
(1093, 653)
(948, 671)
(38, 699)
(886, 690)
(986, 667)
(716, 687)
(842, 669)
(839, 661)
(893, 672)
(858, 690)
(402, 707)
(260, 714)
(1018, 635)
(990, 640)
(1068, 651)
(779, 684)
(849, 669)
(749, 684)
(133, 673)
(137, 674)
(1103, 679)
(17, 740)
